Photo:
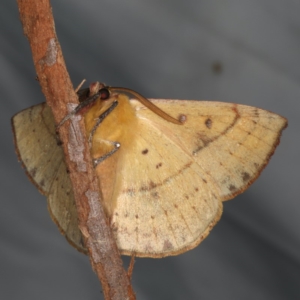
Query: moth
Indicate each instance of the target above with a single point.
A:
(164, 166)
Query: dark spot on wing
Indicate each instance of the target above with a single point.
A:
(33, 172)
(145, 151)
(206, 141)
(148, 187)
(245, 176)
(158, 165)
(155, 195)
(152, 185)
(148, 248)
(232, 188)
(167, 245)
(208, 123)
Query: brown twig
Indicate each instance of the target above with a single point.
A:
(38, 25)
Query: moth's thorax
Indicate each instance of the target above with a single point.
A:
(118, 126)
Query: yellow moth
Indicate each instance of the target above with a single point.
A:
(164, 166)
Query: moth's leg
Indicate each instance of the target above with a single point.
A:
(103, 93)
(98, 160)
(101, 118)
(80, 107)
(99, 121)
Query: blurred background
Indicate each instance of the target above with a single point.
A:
(246, 52)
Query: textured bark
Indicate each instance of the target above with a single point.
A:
(38, 25)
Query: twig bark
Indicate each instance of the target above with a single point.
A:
(38, 25)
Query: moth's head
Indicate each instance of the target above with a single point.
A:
(104, 93)
(107, 98)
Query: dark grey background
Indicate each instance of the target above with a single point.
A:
(164, 49)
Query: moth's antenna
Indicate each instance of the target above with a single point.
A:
(147, 103)
(80, 85)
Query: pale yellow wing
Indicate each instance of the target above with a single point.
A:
(231, 142)
(43, 159)
(164, 204)
(171, 178)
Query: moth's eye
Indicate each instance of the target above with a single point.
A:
(104, 94)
